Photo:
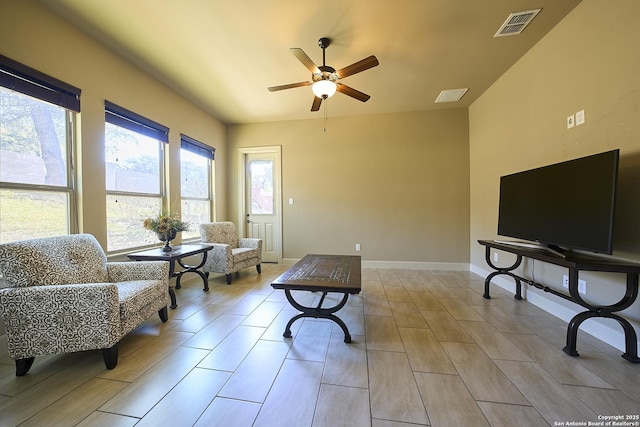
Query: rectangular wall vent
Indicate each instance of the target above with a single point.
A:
(451, 95)
(516, 23)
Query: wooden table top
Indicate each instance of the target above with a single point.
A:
(323, 273)
(577, 260)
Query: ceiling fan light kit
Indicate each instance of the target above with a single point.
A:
(324, 79)
(324, 88)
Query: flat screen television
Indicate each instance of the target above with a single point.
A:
(563, 206)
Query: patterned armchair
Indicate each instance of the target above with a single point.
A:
(63, 296)
(229, 253)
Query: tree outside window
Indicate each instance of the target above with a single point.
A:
(35, 187)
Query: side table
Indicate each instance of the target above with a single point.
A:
(177, 254)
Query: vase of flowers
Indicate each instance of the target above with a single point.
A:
(166, 226)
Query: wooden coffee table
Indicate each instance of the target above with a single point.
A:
(321, 273)
(177, 254)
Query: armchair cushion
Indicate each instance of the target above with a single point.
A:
(243, 254)
(60, 261)
(219, 232)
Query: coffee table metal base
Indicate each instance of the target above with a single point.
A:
(317, 312)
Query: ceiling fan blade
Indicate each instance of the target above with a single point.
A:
(289, 86)
(316, 104)
(349, 91)
(306, 61)
(357, 67)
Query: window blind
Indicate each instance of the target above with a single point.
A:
(197, 147)
(124, 118)
(31, 82)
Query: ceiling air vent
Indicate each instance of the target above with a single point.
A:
(451, 95)
(516, 23)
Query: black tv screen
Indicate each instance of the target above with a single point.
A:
(567, 205)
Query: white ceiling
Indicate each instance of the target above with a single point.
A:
(223, 54)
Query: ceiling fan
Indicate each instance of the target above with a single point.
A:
(324, 79)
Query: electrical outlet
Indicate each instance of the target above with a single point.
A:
(580, 119)
(565, 281)
(582, 287)
(357, 246)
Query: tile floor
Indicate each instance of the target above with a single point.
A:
(427, 350)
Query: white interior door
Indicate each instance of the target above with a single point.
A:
(262, 202)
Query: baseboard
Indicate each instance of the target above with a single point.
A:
(407, 265)
(613, 337)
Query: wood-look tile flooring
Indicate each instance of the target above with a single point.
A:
(427, 350)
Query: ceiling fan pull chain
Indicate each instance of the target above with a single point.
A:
(325, 116)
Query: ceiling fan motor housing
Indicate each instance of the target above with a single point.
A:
(324, 42)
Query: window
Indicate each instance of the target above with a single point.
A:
(261, 172)
(134, 153)
(37, 114)
(196, 164)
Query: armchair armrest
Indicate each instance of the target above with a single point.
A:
(55, 319)
(219, 258)
(247, 242)
(141, 270)
(220, 251)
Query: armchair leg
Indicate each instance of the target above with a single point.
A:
(110, 356)
(259, 268)
(164, 316)
(229, 277)
(23, 366)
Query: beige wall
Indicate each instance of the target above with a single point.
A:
(589, 61)
(398, 184)
(39, 39)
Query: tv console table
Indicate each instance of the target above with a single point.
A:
(574, 263)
